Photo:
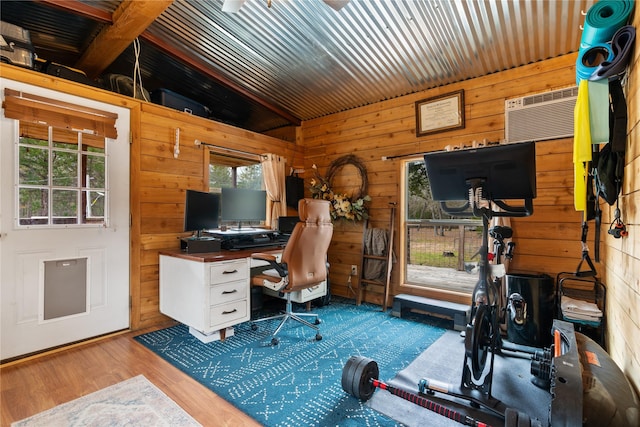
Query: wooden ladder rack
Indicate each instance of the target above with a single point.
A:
(387, 258)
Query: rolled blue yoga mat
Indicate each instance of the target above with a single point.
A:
(601, 23)
(603, 20)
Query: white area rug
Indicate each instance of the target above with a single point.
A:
(134, 402)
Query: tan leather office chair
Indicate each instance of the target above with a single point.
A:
(303, 264)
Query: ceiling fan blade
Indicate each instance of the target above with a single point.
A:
(232, 6)
(336, 4)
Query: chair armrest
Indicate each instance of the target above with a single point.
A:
(264, 256)
(281, 268)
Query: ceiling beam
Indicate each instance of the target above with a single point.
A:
(208, 71)
(120, 21)
(130, 19)
(81, 9)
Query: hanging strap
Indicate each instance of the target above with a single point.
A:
(585, 255)
(596, 240)
(618, 117)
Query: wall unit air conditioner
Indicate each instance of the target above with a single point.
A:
(542, 116)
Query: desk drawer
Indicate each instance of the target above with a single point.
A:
(223, 272)
(226, 292)
(230, 313)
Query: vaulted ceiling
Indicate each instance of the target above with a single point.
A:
(276, 63)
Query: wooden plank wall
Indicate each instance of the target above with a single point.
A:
(160, 181)
(621, 257)
(547, 242)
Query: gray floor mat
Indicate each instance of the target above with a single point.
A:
(443, 361)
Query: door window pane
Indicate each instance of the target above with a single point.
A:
(64, 169)
(65, 139)
(65, 206)
(33, 206)
(94, 206)
(92, 143)
(62, 177)
(33, 166)
(94, 167)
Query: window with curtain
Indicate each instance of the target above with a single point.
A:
(227, 170)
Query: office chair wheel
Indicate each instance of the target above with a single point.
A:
(358, 375)
(254, 327)
(275, 341)
(318, 337)
(317, 321)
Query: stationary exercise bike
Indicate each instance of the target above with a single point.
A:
(482, 334)
(504, 172)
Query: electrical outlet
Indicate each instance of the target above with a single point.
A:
(354, 270)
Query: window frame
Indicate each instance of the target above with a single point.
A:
(233, 162)
(80, 187)
(425, 289)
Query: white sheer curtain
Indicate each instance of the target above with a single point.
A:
(273, 172)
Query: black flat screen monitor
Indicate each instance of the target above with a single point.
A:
(243, 205)
(286, 224)
(201, 211)
(507, 171)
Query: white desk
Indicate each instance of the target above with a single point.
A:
(210, 292)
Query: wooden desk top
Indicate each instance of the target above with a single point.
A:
(223, 255)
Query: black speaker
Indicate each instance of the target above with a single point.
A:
(530, 309)
(294, 188)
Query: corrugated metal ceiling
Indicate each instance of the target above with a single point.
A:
(305, 59)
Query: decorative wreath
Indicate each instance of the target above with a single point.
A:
(342, 206)
(352, 160)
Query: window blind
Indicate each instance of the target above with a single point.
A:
(37, 109)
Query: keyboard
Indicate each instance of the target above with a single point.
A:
(250, 241)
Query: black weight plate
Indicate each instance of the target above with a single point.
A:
(357, 375)
(348, 372)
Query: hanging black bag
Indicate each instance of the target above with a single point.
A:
(609, 173)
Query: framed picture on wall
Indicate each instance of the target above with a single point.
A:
(440, 113)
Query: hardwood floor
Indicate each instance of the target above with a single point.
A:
(40, 383)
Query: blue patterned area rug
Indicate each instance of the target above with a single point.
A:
(298, 382)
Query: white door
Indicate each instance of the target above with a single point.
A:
(63, 283)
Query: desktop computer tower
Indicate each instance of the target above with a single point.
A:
(192, 246)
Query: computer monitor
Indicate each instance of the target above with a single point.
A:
(201, 211)
(286, 224)
(505, 171)
(243, 205)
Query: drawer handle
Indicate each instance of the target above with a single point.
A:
(230, 272)
(230, 312)
(229, 292)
